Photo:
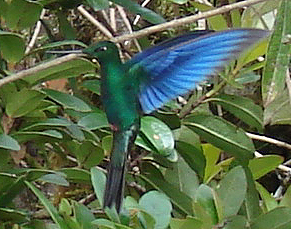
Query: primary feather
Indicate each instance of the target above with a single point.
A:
(176, 66)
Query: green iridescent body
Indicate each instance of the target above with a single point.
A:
(119, 98)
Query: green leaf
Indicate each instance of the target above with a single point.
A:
(279, 218)
(235, 16)
(262, 165)
(98, 181)
(12, 215)
(158, 205)
(252, 53)
(243, 108)
(267, 199)
(88, 153)
(66, 30)
(204, 197)
(76, 175)
(211, 154)
(50, 122)
(158, 134)
(48, 205)
(232, 191)
(193, 156)
(189, 222)
(145, 13)
(286, 200)
(21, 14)
(83, 215)
(222, 134)
(278, 56)
(98, 4)
(182, 177)
(7, 142)
(55, 178)
(278, 112)
(236, 222)
(12, 46)
(11, 191)
(248, 76)
(65, 207)
(154, 177)
(94, 121)
(217, 22)
(66, 69)
(68, 101)
(35, 134)
(252, 202)
(23, 102)
(92, 85)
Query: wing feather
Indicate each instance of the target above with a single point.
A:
(176, 66)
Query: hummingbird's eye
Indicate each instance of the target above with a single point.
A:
(101, 49)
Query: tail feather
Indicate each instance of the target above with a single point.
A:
(122, 143)
(115, 185)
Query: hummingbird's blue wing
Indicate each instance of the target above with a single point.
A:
(174, 67)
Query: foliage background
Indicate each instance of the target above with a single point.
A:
(193, 165)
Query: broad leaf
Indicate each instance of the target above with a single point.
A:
(278, 56)
(11, 46)
(222, 134)
(158, 205)
(158, 134)
(7, 142)
(243, 108)
(68, 101)
(232, 191)
(23, 102)
(279, 218)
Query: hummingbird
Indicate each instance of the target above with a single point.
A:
(152, 78)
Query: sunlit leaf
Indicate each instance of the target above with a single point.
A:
(278, 56)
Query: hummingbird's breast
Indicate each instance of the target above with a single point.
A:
(119, 99)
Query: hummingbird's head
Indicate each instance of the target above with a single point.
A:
(102, 51)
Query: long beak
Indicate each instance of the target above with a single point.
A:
(79, 51)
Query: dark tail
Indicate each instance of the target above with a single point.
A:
(122, 142)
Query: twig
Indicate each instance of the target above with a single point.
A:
(135, 21)
(89, 198)
(112, 18)
(33, 70)
(127, 24)
(288, 82)
(186, 20)
(269, 140)
(200, 100)
(281, 167)
(102, 28)
(35, 33)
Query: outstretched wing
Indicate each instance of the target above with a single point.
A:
(174, 67)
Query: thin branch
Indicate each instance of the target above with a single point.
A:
(281, 167)
(269, 140)
(35, 33)
(127, 24)
(186, 20)
(112, 18)
(288, 82)
(102, 28)
(38, 68)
